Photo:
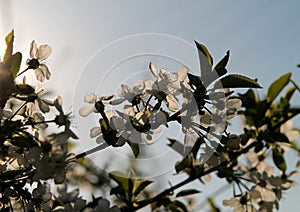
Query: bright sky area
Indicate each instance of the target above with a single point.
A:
(263, 36)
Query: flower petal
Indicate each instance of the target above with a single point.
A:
(43, 52)
(182, 73)
(235, 103)
(58, 103)
(44, 107)
(99, 139)
(90, 98)
(171, 103)
(39, 75)
(33, 49)
(153, 69)
(95, 131)
(45, 70)
(87, 110)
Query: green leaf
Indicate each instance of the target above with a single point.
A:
(249, 99)
(187, 192)
(275, 136)
(9, 39)
(118, 191)
(220, 68)
(15, 64)
(195, 80)
(24, 89)
(23, 140)
(196, 146)
(279, 159)
(213, 207)
(289, 93)
(238, 81)
(140, 186)
(177, 206)
(120, 178)
(184, 163)
(206, 60)
(277, 86)
(135, 148)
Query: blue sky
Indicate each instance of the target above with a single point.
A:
(263, 36)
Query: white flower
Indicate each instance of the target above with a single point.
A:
(232, 106)
(167, 81)
(264, 184)
(131, 93)
(92, 99)
(42, 193)
(38, 57)
(240, 204)
(63, 119)
(256, 160)
(96, 131)
(141, 126)
(171, 84)
(289, 131)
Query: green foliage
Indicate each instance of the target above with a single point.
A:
(238, 81)
(213, 207)
(278, 159)
(15, 63)
(9, 49)
(277, 86)
(187, 192)
(30, 156)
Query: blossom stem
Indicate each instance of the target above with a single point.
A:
(192, 178)
(206, 130)
(207, 110)
(23, 71)
(297, 87)
(91, 151)
(16, 112)
(41, 122)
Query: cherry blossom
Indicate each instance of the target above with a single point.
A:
(38, 55)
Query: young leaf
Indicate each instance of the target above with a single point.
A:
(249, 99)
(184, 163)
(213, 207)
(275, 136)
(220, 68)
(238, 81)
(187, 192)
(15, 63)
(177, 206)
(279, 159)
(195, 80)
(289, 93)
(206, 60)
(117, 191)
(135, 149)
(24, 89)
(140, 186)
(277, 86)
(298, 165)
(9, 39)
(120, 178)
